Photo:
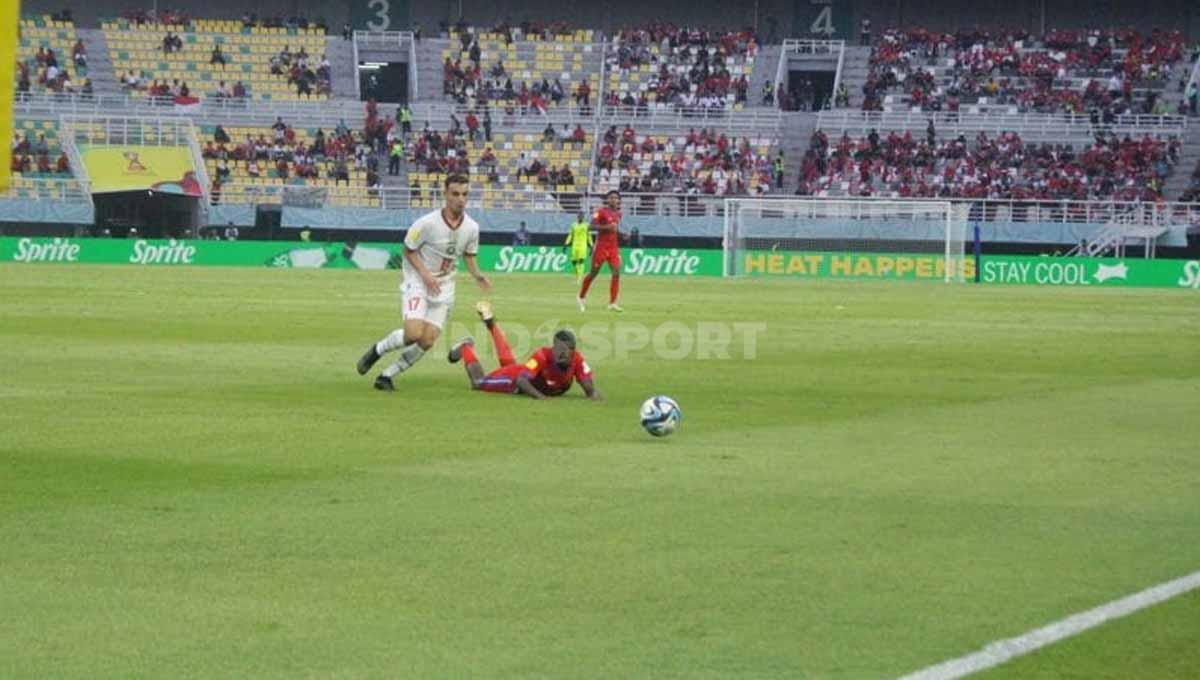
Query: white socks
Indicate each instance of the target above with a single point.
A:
(411, 355)
(391, 341)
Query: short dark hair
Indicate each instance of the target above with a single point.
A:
(610, 192)
(456, 178)
(566, 336)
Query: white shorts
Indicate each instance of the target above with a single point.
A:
(415, 303)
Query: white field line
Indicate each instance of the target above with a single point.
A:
(1000, 651)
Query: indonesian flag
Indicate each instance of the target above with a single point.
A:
(187, 104)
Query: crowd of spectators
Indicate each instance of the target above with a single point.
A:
(702, 162)
(902, 165)
(281, 153)
(507, 31)
(307, 74)
(1077, 71)
(31, 155)
(44, 71)
(181, 18)
(690, 67)
(470, 85)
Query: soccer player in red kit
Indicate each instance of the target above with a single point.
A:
(607, 222)
(549, 372)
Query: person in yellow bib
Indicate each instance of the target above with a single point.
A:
(579, 239)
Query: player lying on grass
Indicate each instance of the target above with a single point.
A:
(549, 372)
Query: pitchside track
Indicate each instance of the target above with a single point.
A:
(194, 478)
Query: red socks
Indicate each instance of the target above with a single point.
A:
(503, 351)
(468, 355)
(614, 289)
(587, 283)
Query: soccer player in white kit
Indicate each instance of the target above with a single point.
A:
(431, 251)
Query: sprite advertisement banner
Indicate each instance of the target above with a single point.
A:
(995, 269)
(1088, 271)
(334, 255)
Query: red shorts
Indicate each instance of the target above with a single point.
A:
(610, 255)
(503, 379)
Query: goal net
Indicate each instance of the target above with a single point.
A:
(849, 237)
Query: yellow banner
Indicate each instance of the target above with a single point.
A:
(168, 169)
(9, 13)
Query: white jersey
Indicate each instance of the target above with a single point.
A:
(439, 247)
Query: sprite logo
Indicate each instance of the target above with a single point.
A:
(58, 250)
(671, 262)
(172, 252)
(1191, 275)
(509, 259)
(636, 261)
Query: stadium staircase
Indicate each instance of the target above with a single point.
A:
(100, 66)
(854, 73)
(766, 67)
(795, 133)
(344, 72)
(1139, 226)
(1189, 155)
(429, 67)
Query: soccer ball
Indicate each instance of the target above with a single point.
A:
(660, 415)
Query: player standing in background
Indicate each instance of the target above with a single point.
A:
(431, 251)
(549, 372)
(607, 221)
(579, 240)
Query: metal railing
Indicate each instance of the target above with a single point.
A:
(413, 89)
(214, 109)
(382, 40)
(65, 191)
(193, 145)
(763, 119)
(1059, 124)
(126, 130)
(355, 65)
(837, 79)
(328, 113)
(695, 205)
(813, 47)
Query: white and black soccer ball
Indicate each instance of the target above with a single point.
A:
(660, 415)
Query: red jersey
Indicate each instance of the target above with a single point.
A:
(549, 379)
(604, 216)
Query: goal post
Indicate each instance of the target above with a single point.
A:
(930, 230)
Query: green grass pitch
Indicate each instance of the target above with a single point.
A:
(194, 482)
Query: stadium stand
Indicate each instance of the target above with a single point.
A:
(1192, 193)
(511, 164)
(665, 66)
(219, 58)
(1108, 72)
(999, 99)
(1005, 166)
(51, 57)
(702, 161)
(243, 161)
(530, 68)
(36, 152)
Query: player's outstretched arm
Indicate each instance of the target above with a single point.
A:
(526, 387)
(589, 388)
(473, 267)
